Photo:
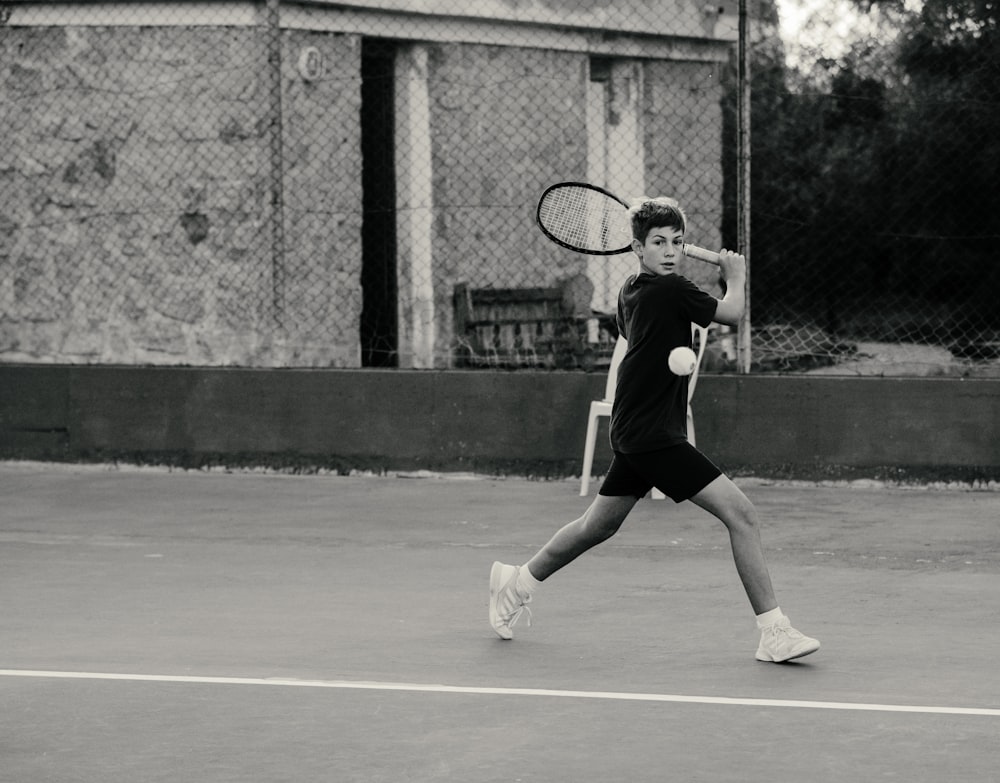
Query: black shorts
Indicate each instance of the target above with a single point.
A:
(679, 472)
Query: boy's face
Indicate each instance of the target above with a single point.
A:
(662, 251)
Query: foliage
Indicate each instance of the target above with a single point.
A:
(875, 171)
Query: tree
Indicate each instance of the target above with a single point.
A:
(874, 170)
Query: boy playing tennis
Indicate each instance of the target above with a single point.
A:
(649, 434)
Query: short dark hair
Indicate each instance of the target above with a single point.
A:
(653, 213)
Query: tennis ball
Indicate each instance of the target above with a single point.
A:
(682, 361)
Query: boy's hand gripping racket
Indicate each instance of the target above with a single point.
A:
(589, 219)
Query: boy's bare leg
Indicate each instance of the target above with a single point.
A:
(779, 642)
(598, 523)
(511, 586)
(725, 500)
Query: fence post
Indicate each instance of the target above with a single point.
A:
(272, 27)
(743, 178)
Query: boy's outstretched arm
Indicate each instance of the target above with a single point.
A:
(733, 268)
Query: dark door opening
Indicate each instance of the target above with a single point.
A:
(379, 319)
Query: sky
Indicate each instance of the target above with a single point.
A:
(844, 23)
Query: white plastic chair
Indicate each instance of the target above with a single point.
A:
(600, 408)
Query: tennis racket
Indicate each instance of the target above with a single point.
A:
(589, 219)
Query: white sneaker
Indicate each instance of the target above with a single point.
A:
(780, 642)
(506, 602)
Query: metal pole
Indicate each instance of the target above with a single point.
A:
(743, 179)
(276, 156)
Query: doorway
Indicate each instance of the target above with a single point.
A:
(379, 288)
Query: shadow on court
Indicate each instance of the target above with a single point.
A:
(163, 626)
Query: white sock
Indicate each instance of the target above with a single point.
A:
(770, 618)
(526, 583)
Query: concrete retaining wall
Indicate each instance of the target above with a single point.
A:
(519, 423)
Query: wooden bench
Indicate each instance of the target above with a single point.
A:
(529, 327)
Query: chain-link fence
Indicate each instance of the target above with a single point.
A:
(874, 203)
(353, 184)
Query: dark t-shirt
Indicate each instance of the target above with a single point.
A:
(654, 315)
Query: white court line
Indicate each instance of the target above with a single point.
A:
(461, 689)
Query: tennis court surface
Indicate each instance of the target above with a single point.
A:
(164, 626)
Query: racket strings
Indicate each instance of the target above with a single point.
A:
(585, 218)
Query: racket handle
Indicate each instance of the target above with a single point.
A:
(700, 253)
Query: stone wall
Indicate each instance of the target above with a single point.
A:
(140, 188)
(135, 199)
